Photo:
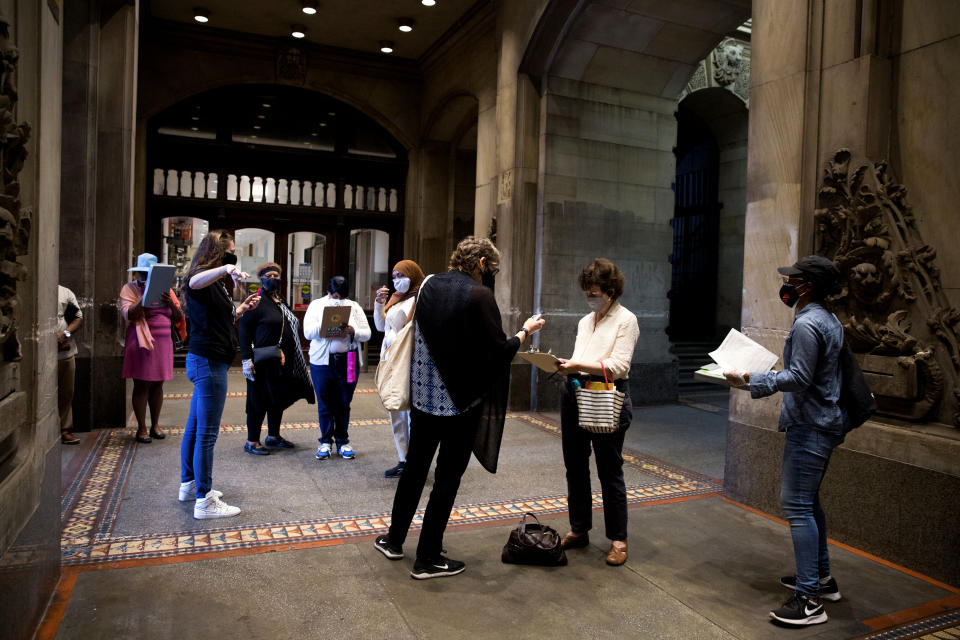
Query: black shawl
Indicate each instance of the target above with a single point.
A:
(460, 322)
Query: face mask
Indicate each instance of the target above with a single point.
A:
(402, 285)
(487, 279)
(789, 295)
(596, 303)
(229, 258)
(141, 276)
(270, 284)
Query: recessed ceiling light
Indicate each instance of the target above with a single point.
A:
(428, 3)
(201, 15)
(261, 116)
(323, 124)
(298, 30)
(386, 46)
(309, 7)
(194, 128)
(194, 118)
(405, 24)
(331, 113)
(254, 136)
(314, 134)
(266, 105)
(256, 127)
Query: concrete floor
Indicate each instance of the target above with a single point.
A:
(702, 568)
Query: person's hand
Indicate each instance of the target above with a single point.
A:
(737, 378)
(250, 303)
(568, 367)
(382, 294)
(167, 299)
(248, 370)
(534, 324)
(234, 272)
(347, 329)
(62, 339)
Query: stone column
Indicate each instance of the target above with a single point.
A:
(98, 163)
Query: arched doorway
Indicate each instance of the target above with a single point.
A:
(279, 159)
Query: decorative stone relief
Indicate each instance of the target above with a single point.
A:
(894, 311)
(292, 65)
(15, 222)
(505, 187)
(727, 66)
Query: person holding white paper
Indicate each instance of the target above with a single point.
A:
(334, 366)
(814, 424)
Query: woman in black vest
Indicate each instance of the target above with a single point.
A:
(273, 363)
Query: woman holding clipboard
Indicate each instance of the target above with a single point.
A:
(148, 348)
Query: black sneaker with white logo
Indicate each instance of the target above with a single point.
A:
(800, 610)
(387, 548)
(436, 568)
(828, 590)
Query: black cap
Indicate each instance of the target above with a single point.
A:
(816, 269)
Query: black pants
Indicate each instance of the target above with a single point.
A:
(608, 449)
(265, 399)
(454, 436)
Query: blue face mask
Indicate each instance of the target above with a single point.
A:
(270, 284)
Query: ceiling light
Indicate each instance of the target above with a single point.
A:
(266, 105)
(309, 7)
(405, 25)
(323, 124)
(428, 3)
(386, 46)
(256, 127)
(298, 30)
(201, 15)
(314, 134)
(194, 128)
(261, 116)
(194, 118)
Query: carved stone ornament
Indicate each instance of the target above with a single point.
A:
(14, 221)
(727, 66)
(895, 314)
(292, 65)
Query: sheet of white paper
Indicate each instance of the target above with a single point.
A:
(737, 351)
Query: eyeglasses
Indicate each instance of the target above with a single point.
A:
(494, 271)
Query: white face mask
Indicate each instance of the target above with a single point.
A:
(402, 285)
(596, 303)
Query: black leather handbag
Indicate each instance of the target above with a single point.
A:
(272, 352)
(535, 544)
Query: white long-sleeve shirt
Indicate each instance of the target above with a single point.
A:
(611, 341)
(321, 348)
(391, 322)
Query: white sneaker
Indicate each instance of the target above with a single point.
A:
(323, 451)
(189, 489)
(213, 507)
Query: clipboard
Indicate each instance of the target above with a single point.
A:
(333, 318)
(159, 280)
(543, 361)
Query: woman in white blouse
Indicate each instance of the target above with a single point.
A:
(334, 366)
(606, 338)
(390, 314)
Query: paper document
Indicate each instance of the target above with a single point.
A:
(544, 361)
(159, 280)
(737, 351)
(333, 319)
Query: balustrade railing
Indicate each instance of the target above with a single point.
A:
(282, 191)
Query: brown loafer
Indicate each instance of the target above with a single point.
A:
(617, 554)
(67, 437)
(573, 540)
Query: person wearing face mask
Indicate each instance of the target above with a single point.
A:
(814, 423)
(211, 277)
(273, 383)
(606, 338)
(148, 348)
(389, 316)
(334, 366)
(460, 376)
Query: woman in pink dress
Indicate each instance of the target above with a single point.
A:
(148, 351)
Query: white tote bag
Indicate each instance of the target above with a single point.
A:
(600, 405)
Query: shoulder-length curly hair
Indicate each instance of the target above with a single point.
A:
(466, 257)
(604, 274)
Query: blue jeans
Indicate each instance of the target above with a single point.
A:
(806, 453)
(334, 395)
(209, 379)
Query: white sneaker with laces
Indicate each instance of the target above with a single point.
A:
(323, 451)
(189, 489)
(213, 507)
(346, 452)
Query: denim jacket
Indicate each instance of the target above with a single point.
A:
(810, 379)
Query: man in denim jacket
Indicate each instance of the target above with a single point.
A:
(814, 424)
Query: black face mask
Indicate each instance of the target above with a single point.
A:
(487, 279)
(229, 258)
(789, 295)
(270, 284)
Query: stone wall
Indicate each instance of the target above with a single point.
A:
(29, 420)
